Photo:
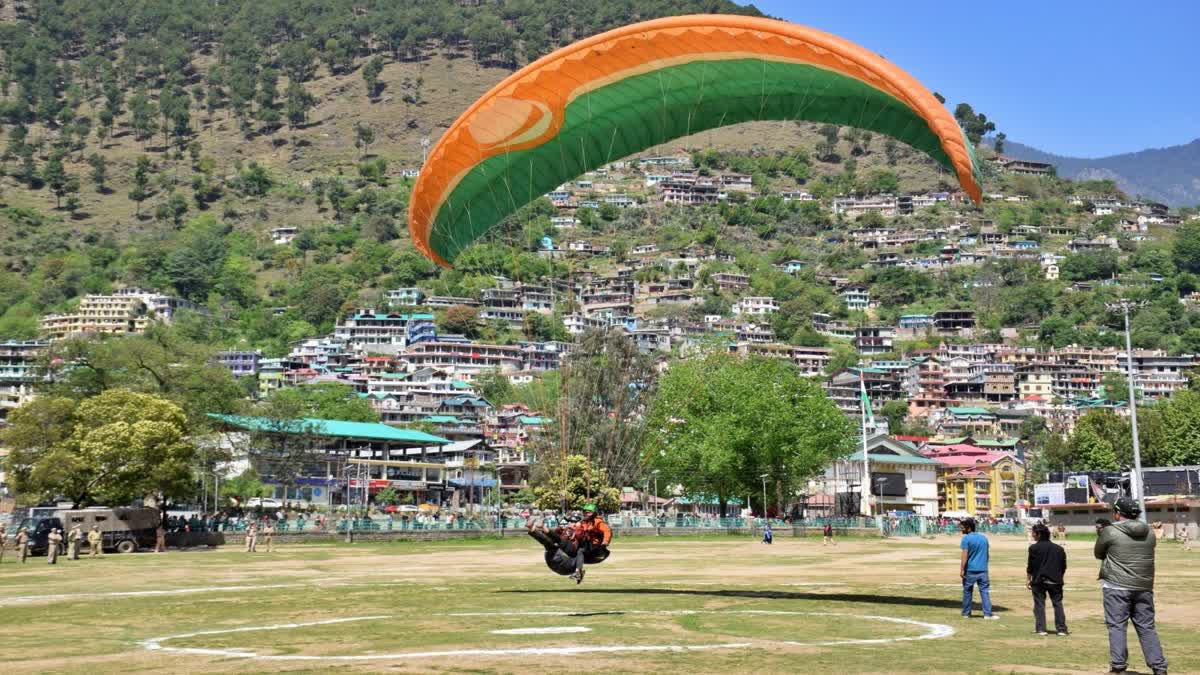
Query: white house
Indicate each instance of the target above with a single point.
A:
(909, 480)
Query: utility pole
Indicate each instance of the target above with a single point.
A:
(1136, 484)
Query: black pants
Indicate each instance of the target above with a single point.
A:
(555, 545)
(1055, 591)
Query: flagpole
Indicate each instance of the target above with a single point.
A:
(866, 480)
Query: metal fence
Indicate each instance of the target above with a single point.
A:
(892, 527)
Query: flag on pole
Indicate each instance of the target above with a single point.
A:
(868, 414)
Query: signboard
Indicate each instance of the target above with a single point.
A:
(1077, 481)
(407, 484)
(372, 484)
(1049, 493)
(893, 484)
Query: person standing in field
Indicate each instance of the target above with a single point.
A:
(827, 535)
(1126, 549)
(269, 537)
(973, 569)
(3, 541)
(73, 539)
(1044, 573)
(251, 537)
(95, 542)
(53, 541)
(160, 539)
(22, 544)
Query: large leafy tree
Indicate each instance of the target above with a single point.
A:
(608, 384)
(721, 422)
(580, 484)
(160, 362)
(108, 449)
(1101, 442)
(325, 401)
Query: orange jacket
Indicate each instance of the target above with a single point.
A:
(597, 531)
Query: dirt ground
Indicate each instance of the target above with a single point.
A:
(705, 604)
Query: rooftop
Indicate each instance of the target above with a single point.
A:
(332, 428)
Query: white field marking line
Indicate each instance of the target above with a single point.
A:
(548, 630)
(55, 597)
(934, 631)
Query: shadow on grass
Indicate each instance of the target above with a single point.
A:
(771, 595)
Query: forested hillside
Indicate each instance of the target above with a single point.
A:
(157, 144)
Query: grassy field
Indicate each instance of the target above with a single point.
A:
(709, 604)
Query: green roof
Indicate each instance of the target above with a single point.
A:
(532, 420)
(441, 419)
(999, 443)
(948, 441)
(459, 384)
(393, 376)
(969, 411)
(336, 428)
(894, 459)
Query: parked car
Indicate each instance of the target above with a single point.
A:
(264, 502)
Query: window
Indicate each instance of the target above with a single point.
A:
(101, 519)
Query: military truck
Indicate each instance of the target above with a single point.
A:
(124, 529)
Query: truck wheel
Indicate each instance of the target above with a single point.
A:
(127, 546)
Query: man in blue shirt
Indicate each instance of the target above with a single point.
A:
(974, 569)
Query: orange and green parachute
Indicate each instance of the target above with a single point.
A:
(636, 87)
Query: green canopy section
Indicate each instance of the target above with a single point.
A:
(642, 111)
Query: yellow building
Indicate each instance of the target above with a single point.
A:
(975, 482)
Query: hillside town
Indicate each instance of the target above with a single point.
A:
(967, 389)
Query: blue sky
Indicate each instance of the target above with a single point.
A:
(1072, 77)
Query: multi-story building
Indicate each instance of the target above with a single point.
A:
(975, 482)
(874, 339)
(901, 480)
(1157, 375)
(240, 362)
(856, 296)
(18, 372)
(404, 297)
(731, 281)
(379, 331)
(810, 361)
(464, 360)
(125, 311)
(755, 306)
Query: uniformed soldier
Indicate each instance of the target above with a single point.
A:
(251, 537)
(73, 540)
(53, 541)
(22, 544)
(269, 537)
(3, 541)
(160, 539)
(95, 542)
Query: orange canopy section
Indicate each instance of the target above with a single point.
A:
(628, 89)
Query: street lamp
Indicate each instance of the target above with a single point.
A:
(656, 518)
(764, 478)
(1137, 485)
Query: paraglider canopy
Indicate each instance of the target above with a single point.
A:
(620, 92)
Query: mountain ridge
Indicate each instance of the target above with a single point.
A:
(1170, 175)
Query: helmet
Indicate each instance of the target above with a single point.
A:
(589, 508)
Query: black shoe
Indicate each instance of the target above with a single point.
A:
(1111, 671)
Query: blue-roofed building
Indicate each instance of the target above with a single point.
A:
(916, 322)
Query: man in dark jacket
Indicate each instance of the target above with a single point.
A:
(1045, 570)
(1127, 572)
